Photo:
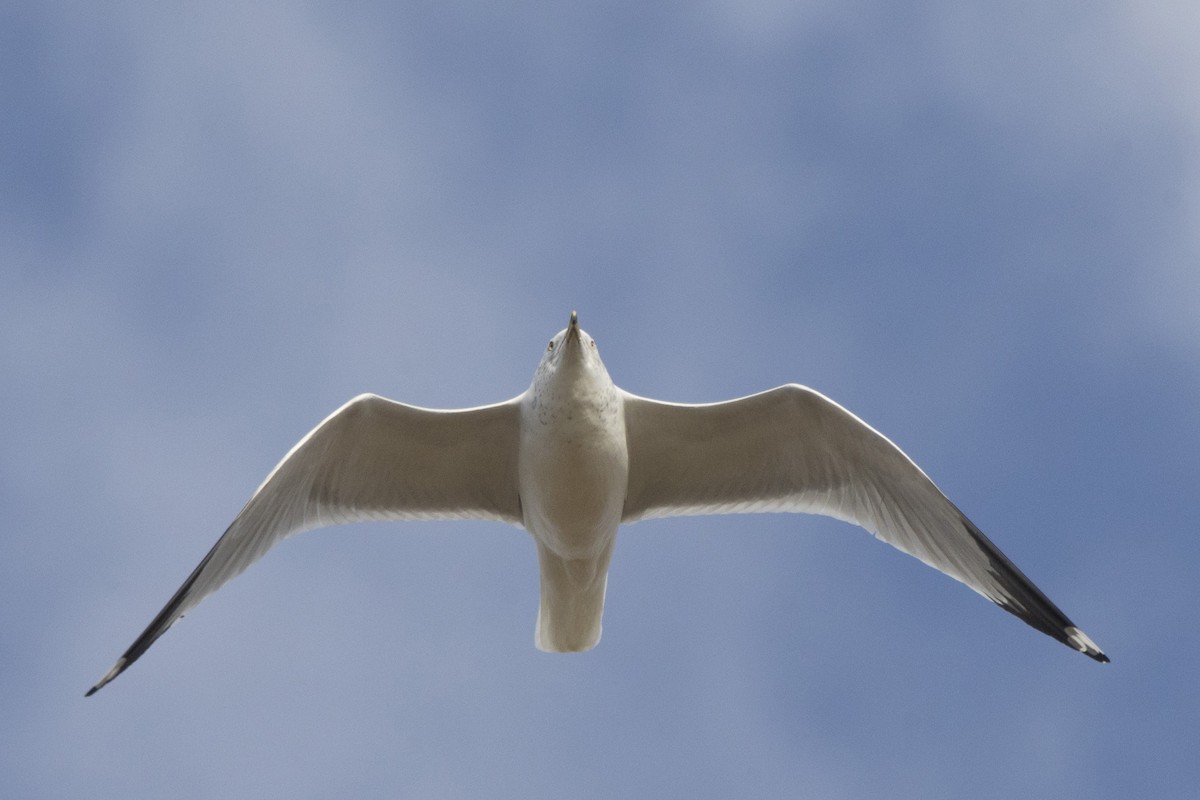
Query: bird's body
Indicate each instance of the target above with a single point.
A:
(575, 456)
(573, 467)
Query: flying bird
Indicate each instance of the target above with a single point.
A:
(575, 456)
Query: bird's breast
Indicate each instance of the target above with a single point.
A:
(573, 470)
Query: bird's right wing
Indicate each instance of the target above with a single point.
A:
(793, 449)
(372, 459)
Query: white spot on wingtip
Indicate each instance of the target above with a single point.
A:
(112, 673)
(1081, 642)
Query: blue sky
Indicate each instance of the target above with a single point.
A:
(974, 227)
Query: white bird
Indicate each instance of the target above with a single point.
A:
(575, 456)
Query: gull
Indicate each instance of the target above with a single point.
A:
(575, 456)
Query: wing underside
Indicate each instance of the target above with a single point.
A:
(372, 459)
(792, 449)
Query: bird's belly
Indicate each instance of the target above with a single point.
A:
(572, 496)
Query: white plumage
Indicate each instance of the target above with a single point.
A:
(575, 456)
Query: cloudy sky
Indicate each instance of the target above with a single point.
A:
(974, 227)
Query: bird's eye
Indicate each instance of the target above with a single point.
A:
(592, 342)
(551, 345)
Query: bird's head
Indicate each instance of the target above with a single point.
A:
(572, 356)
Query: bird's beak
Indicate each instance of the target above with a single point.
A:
(573, 327)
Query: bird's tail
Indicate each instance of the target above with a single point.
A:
(572, 601)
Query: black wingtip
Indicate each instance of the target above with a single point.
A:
(117, 669)
(1027, 602)
(159, 625)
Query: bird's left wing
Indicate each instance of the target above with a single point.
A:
(793, 449)
(372, 459)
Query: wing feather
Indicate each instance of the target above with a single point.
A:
(793, 449)
(372, 459)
